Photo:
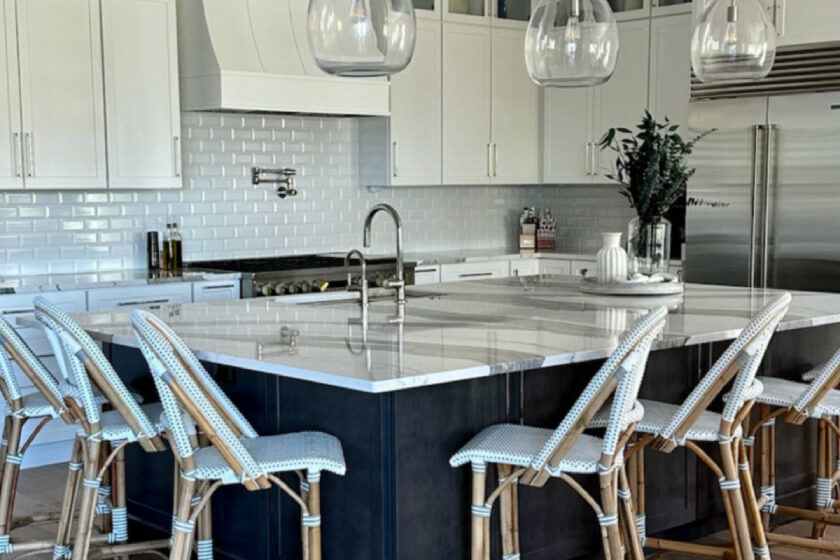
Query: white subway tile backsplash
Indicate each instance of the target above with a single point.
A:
(222, 215)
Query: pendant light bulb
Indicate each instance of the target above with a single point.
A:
(734, 40)
(361, 38)
(571, 43)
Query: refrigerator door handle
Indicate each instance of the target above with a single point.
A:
(769, 146)
(759, 133)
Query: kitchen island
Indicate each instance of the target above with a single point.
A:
(402, 397)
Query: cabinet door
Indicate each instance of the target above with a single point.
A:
(61, 94)
(426, 275)
(474, 271)
(216, 290)
(522, 267)
(567, 134)
(11, 164)
(141, 93)
(807, 21)
(466, 103)
(623, 99)
(515, 112)
(670, 68)
(416, 112)
(139, 297)
(554, 266)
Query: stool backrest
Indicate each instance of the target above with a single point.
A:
(85, 365)
(15, 350)
(621, 374)
(186, 387)
(827, 379)
(740, 362)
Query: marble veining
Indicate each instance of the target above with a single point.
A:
(452, 331)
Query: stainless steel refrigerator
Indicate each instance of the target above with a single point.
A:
(763, 208)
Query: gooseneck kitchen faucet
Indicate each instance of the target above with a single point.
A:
(397, 285)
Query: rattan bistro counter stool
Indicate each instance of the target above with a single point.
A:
(101, 438)
(798, 402)
(527, 455)
(237, 455)
(666, 427)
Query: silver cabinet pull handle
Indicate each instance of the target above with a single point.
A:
(395, 164)
(220, 287)
(177, 155)
(30, 154)
(141, 302)
(495, 160)
(21, 311)
(588, 158)
(779, 17)
(475, 274)
(17, 153)
(594, 156)
(489, 160)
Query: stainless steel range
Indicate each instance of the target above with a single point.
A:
(279, 276)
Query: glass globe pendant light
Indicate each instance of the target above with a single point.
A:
(361, 37)
(571, 43)
(733, 40)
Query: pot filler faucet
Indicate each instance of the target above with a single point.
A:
(397, 285)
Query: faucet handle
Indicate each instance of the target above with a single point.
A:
(393, 284)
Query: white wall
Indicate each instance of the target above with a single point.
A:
(223, 216)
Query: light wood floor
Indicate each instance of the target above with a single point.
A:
(40, 491)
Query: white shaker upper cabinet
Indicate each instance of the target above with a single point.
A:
(141, 93)
(568, 150)
(623, 99)
(416, 112)
(466, 103)
(515, 112)
(61, 94)
(11, 139)
(807, 21)
(670, 69)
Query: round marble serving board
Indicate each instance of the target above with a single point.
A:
(632, 289)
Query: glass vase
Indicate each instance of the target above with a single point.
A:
(649, 245)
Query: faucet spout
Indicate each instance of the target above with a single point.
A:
(399, 283)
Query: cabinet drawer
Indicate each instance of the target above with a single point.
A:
(529, 267)
(140, 297)
(474, 271)
(550, 266)
(218, 290)
(426, 275)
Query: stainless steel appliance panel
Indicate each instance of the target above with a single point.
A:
(722, 224)
(804, 245)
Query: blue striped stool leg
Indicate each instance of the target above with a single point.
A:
(628, 516)
(103, 494)
(11, 467)
(204, 530)
(182, 528)
(314, 520)
(4, 443)
(479, 511)
(304, 531)
(68, 504)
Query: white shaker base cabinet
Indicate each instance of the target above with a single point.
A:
(11, 139)
(62, 99)
(139, 297)
(474, 271)
(466, 103)
(140, 49)
(212, 290)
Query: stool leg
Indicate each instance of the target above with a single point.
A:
(765, 444)
(628, 515)
(739, 514)
(119, 513)
(7, 485)
(506, 512)
(479, 477)
(103, 495)
(181, 531)
(609, 506)
(823, 485)
(762, 552)
(304, 530)
(87, 508)
(68, 504)
(204, 543)
(314, 505)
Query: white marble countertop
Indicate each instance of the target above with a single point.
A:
(110, 279)
(452, 331)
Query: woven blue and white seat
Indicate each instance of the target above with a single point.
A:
(666, 426)
(797, 402)
(238, 455)
(90, 377)
(531, 455)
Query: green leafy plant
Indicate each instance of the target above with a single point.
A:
(650, 165)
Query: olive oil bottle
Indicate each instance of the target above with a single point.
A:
(173, 249)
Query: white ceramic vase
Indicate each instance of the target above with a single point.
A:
(612, 260)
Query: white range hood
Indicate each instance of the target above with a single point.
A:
(254, 56)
